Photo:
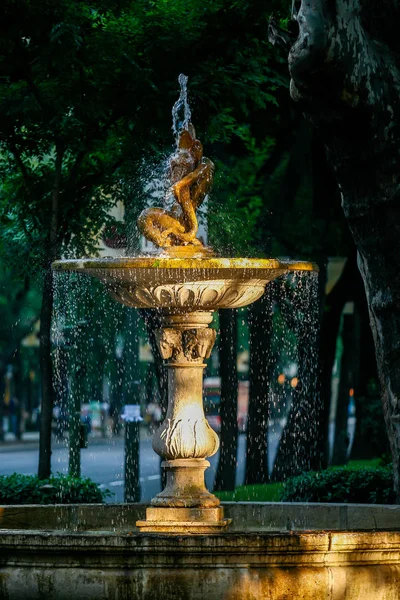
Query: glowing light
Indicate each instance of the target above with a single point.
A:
(294, 382)
(281, 379)
(351, 392)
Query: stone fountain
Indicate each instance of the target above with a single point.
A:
(186, 282)
(273, 551)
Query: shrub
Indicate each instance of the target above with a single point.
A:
(58, 489)
(362, 486)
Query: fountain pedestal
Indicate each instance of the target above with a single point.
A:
(185, 439)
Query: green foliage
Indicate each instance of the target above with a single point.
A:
(56, 116)
(93, 84)
(19, 306)
(58, 489)
(362, 486)
(362, 479)
(269, 492)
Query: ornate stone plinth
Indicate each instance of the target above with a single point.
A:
(185, 439)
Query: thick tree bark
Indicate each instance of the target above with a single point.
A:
(260, 332)
(345, 74)
(226, 471)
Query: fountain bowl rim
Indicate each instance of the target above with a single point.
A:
(164, 262)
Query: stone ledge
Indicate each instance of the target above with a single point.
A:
(228, 548)
(246, 516)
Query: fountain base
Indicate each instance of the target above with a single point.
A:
(183, 520)
(185, 505)
(185, 485)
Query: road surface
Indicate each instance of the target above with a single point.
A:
(103, 462)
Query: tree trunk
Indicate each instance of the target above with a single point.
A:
(46, 365)
(46, 372)
(325, 196)
(132, 395)
(260, 333)
(153, 322)
(342, 292)
(18, 393)
(345, 73)
(2, 388)
(74, 442)
(226, 471)
(346, 382)
(298, 446)
(370, 437)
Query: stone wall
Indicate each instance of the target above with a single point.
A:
(89, 560)
(246, 517)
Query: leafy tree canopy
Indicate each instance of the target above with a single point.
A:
(91, 85)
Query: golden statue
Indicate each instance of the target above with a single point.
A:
(191, 176)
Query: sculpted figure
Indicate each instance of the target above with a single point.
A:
(191, 176)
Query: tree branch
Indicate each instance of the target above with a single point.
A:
(18, 158)
(55, 209)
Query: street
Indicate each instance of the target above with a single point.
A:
(103, 462)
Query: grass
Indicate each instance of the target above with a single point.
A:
(267, 492)
(270, 492)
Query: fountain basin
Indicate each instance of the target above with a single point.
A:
(188, 284)
(273, 551)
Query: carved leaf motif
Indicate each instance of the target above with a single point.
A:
(208, 296)
(186, 296)
(163, 295)
(142, 295)
(187, 439)
(192, 295)
(229, 297)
